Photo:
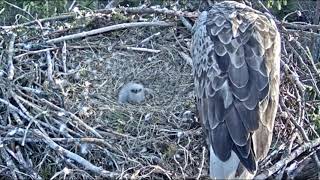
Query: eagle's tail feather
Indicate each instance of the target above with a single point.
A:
(228, 169)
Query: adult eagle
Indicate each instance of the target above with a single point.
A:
(236, 60)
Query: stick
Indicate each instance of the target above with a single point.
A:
(93, 131)
(132, 10)
(202, 162)
(50, 66)
(75, 157)
(110, 28)
(10, 55)
(276, 167)
(141, 49)
(34, 52)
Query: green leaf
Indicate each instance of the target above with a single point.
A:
(269, 3)
(278, 5)
(285, 2)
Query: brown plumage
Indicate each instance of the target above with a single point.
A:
(236, 60)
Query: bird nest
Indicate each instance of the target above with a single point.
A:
(60, 115)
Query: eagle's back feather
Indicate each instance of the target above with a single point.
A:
(236, 60)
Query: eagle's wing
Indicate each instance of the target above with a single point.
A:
(235, 52)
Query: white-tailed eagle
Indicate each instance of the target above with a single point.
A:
(236, 65)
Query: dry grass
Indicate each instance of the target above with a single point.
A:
(150, 137)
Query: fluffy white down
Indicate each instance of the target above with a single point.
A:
(126, 95)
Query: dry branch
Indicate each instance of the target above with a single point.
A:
(50, 66)
(10, 55)
(301, 26)
(78, 120)
(56, 18)
(109, 28)
(144, 10)
(64, 57)
(141, 49)
(317, 14)
(75, 157)
(112, 4)
(276, 167)
(9, 162)
(132, 10)
(34, 52)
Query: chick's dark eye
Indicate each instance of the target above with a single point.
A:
(139, 90)
(133, 90)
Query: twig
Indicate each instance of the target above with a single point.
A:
(19, 9)
(276, 167)
(109, 28)
(144, 10)
(132, 10)
(12, 107)
(301, 102)
(186, 23)
(150, 37)
(263, 6)
(72, 5)
(19, 157)
(187, 58)
(317, 14)
(289, 14)
(9, 162)
(56, 18)
(50, 66)
(31, 90)
(295, 77)
(75, 157)
(287, 151)
(302, 27)
(64, 57)
(26, 112)
(72, 116)
(112, 4)
(308, 57)
(17, 118)
(272, 155)
(155, 168)
(35, 52)
(141, 49)
(10, 55)
(202, 162)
